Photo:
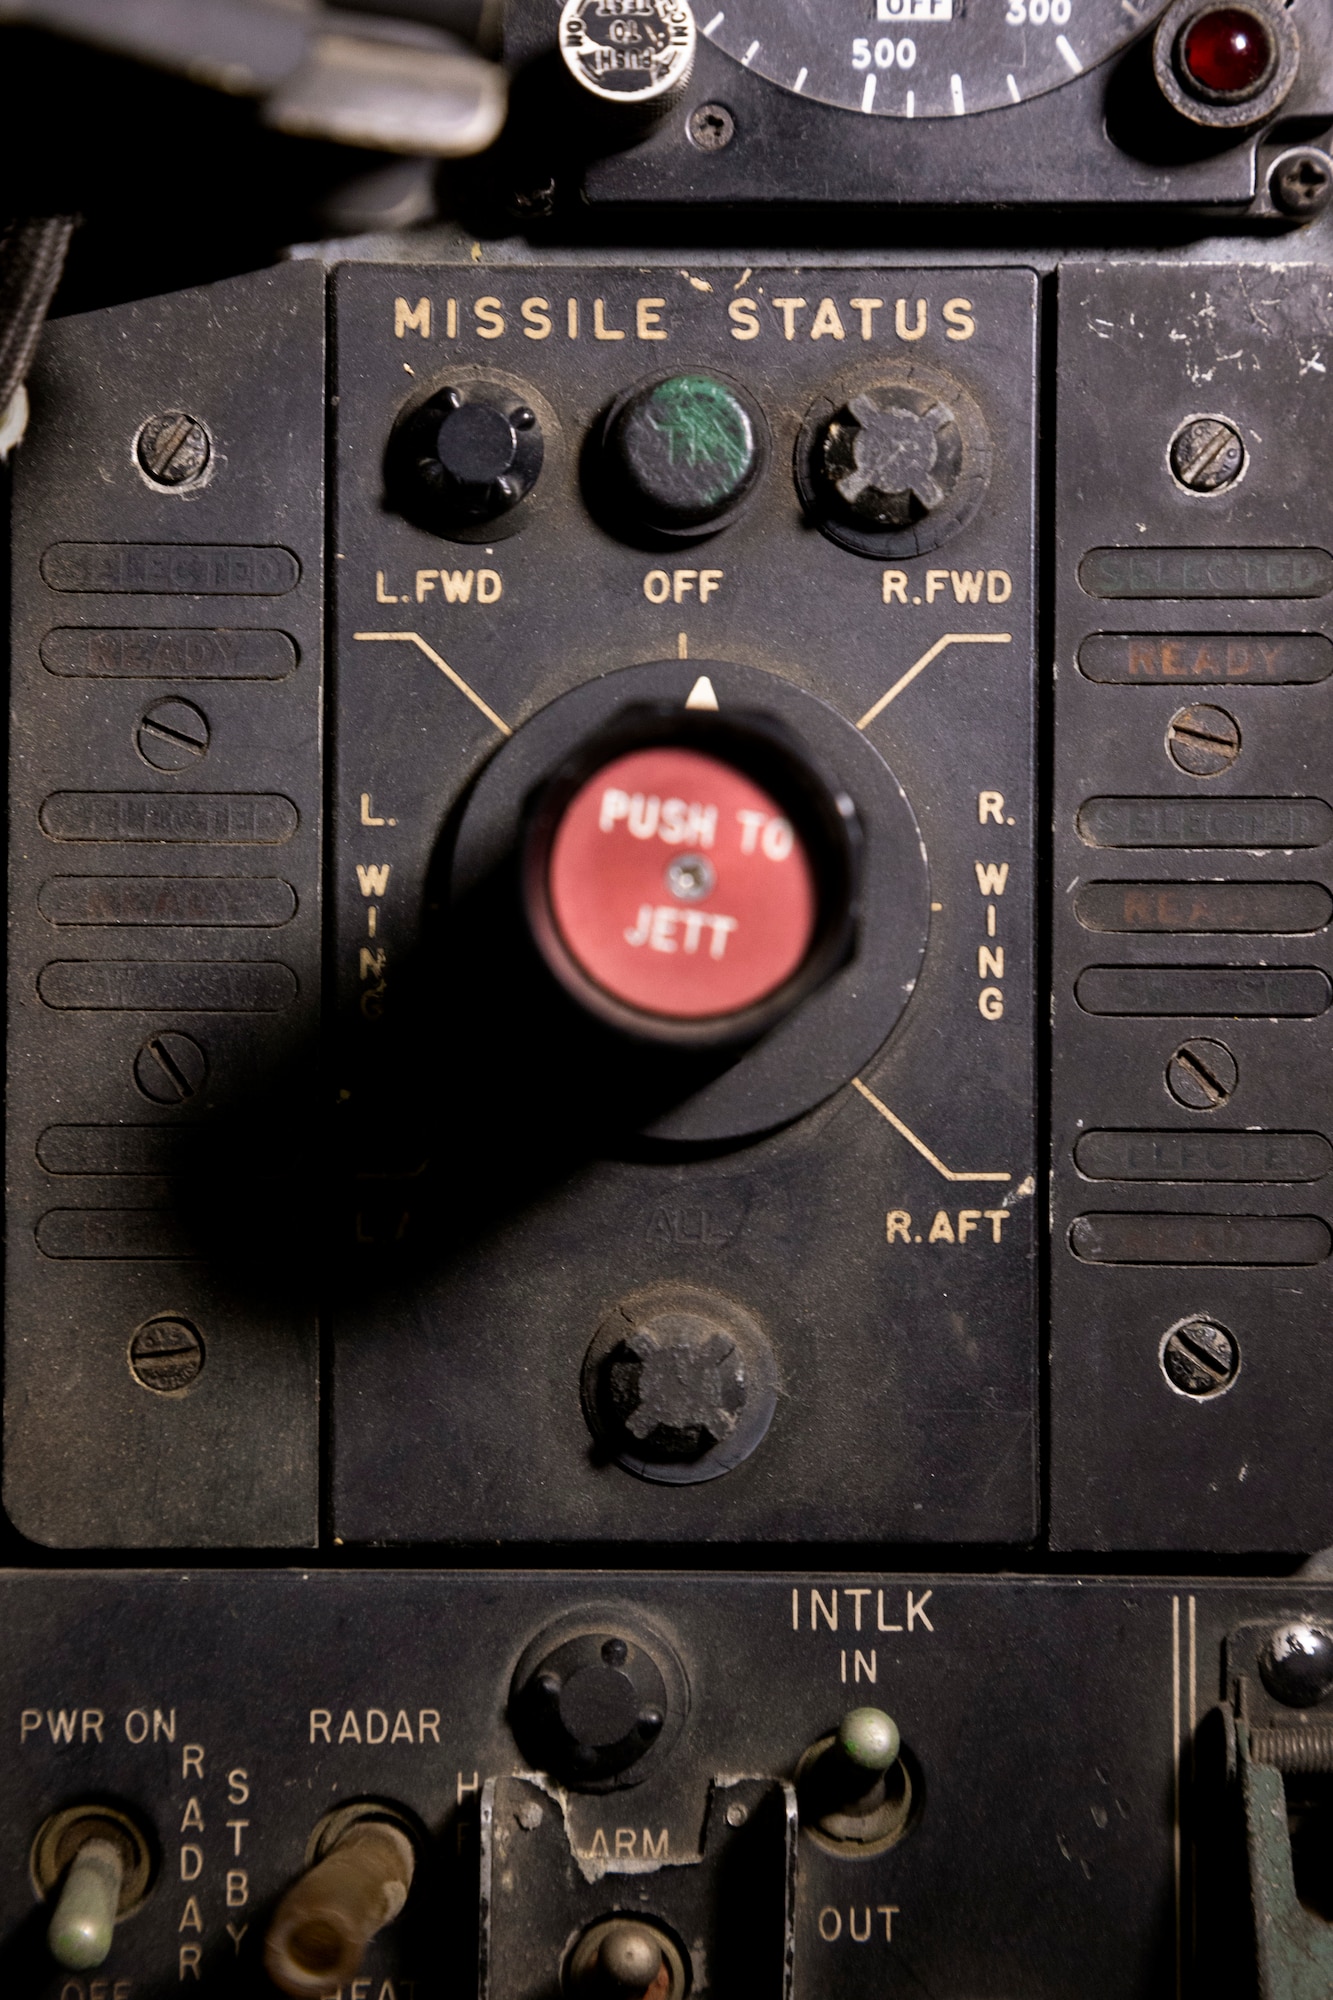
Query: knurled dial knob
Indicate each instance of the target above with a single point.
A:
(893, 456)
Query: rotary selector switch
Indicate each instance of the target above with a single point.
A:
(679, 1384)
(896, 465)
(893, 458)
(466, 458)
(598, 1701)
(694, 886)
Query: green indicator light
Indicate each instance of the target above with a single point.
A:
(685, 452)
(704, 426)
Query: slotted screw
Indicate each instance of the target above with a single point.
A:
(166, 1355)
(170, 1068)
(1200, 1358)
(1207, 454)
(172, 735)
(174, 448)
(1202, 1074)
(1202, 740)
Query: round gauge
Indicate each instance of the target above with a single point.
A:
(922, 58)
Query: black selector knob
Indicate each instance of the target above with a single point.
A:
(893, 457)
(677, 1385)
(898, 467)
(469, 457)
(683, 454)
(598, 1707)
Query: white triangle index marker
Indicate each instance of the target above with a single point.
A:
(701, 694)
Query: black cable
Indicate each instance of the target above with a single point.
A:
(32, 256)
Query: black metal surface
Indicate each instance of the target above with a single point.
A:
(1134, 1464)
(1106, 137)
(1048, 1727)
(164, 925)
(505, 1205)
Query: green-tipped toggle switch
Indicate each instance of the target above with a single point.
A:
(869, 1738)
(85, 1917)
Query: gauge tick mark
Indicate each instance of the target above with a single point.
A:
(750, 55)
(1062, 43)
(715, 24)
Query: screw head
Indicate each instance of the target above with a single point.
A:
(1202, 740)
(1202, 1074)
(166, 1355)
(711, 128)
(172, 735)
(1207, 454)
(170, 1068)
(1300, 183)
(1296, 1665)
(691, 877)
(1199, 1357)
(174, 449)
(893, 457)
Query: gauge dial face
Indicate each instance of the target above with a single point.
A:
(922, 58)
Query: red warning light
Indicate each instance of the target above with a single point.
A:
(680, 887)
(1226, 52)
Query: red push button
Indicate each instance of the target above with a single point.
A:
(679, 886)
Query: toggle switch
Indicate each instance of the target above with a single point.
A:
(80, 1932)
(95, 1862)
(625, 1958)
(854, 1792)
(362, 1871)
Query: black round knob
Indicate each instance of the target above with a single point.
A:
(893, 456)
(899, 467)
(592, 1707)
(1296, 1665)
(676, 1386)
(466, 457)
(684, 453)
